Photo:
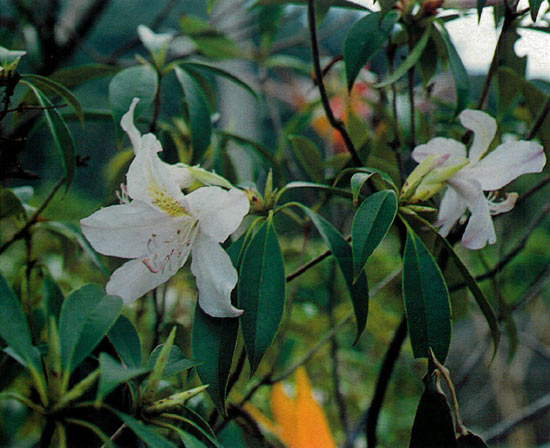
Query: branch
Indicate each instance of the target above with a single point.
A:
(33, 218)
(525, 414)
(540, 119)
(337, 124)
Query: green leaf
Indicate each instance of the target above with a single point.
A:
(368, 170)
(220, 72)
(534, 6)
(364, 39)
(74, 76)
(125, 338)
(157, 366)
(213, 340)
(175, 363)
(149, 436)
(410, 61)
(261, 292)
(426, 300)
(479, 6)
(60, 133)
(10, 205)
(86, 315)
(133, 82)
(49, 86)
(52, 297)
(342, 253)
(476, 291)
(356, 183)
(199, 113)
(14, 328)
(433, 423)
(460, 75)
(315, 186)
(188, 440)
(308, 156)
(470, 440)
(195, 424)
(370, 225)
(113, 374)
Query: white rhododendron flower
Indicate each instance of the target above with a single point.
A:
(160, 226)
(478, 173)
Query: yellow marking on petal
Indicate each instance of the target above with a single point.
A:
(162, 200)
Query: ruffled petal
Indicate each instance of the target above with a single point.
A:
(219, 211)
(480, 229)
(440, 146)
(216, 277)
(127, 124)
(135, 279)
(149, 180)
(452, 207)
(506, 163)
(484, 128)
(125, 230)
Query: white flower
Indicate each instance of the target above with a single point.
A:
(156, 43)
(478, 174)
(161, 226)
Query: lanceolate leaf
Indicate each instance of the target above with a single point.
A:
(356, 184)
(48, 85)
(460, 75)
(60, 133)
(433, 423)
(261, 292)
(124, 337)
(411, 60)
(199, 113)
(370, 225)
(87, 314)
(342, 253)
(14, 328)
(175, 363)
(148, 435)
(476, 291)
(426, 300)
(364, 39)
(308, 156)
(134, 82)
(113, 374)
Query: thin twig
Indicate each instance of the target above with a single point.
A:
(334, 122)
(412, 111)
(117, 434)
(34, 217)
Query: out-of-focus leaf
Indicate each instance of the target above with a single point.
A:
(342, 253)
(315, 186)
(10, 205)
(220, 72)
(356, 184)
(52, 296)
(86, 316)
(133, 82)
(368, 170)
(74, 76)
(433, 423)
(149, 436)
(364, 39)
(308, 156)
(113, 374)
(60, 133)
(460, 75)
(71, 231)
(175, 363)
(49, 86)
(426, 300)
(261, 292)
(479, 6)
(199, 113)
(534, 6)
(125, 338)
(210, 42)
(410, 61)
(370, 225)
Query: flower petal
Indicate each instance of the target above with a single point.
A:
(484, 128)
(452, 207)
(219, 211)
(506, 163)
(135, 279)
(127, 124)
(480, 229)
(216, 277)
(440, 146)
(149, 180)
(124, 230)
